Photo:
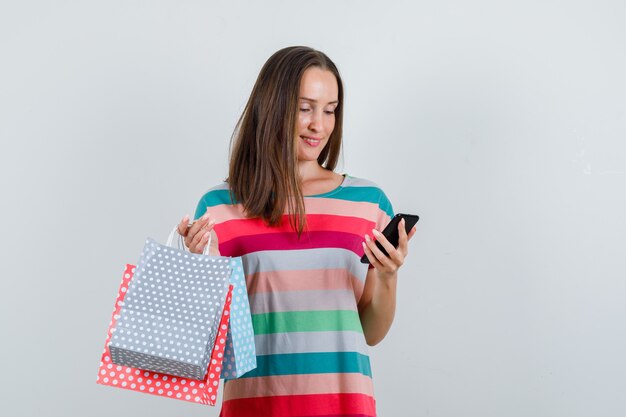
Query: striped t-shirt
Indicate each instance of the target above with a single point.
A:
(312, 358)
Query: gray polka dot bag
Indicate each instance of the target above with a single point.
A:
(163, 385)
(171, 312)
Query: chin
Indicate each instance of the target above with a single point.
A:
(307, 157)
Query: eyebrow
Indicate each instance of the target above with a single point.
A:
(315, 101)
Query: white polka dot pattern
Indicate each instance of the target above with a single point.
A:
(240, 354)
(171, 311)
(200, 392)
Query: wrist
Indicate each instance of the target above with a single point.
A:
(388, 280)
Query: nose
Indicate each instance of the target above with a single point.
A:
(315, 123)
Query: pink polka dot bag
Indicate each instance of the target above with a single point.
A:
(161, 384)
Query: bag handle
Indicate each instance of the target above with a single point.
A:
(181, 242)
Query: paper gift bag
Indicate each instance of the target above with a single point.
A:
(171, 312)
(201, 392)
(240, 351)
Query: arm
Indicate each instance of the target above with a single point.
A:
(377, 305)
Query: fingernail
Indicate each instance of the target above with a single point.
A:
(186, 217)
(206, 235)
(211, 223)
(376, 232)
(205, 216)
(367, 237)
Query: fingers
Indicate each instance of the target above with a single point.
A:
(198, 234)
(202, 237)
(402, 231)
(396, 255)
(214, 249)
(379, 256)
(199, 242)
(371, 257)
(182, 226)
(402, 241)
(412, 232)
(195, 228)
(391, 250)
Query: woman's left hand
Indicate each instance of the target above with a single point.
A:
(387, 266)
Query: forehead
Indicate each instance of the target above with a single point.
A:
(319, 85)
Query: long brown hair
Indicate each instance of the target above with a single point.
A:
(263, 171)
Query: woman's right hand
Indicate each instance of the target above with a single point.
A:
(197, 236)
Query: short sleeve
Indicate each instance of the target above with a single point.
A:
(384, 215)
(200, 209)
(215, 196)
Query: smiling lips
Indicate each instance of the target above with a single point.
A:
(311, 141)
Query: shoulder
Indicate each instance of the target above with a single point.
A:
(364, 189)
(218, 194)
(352, 181)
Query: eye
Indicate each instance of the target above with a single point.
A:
(305, 109)
(330, 112)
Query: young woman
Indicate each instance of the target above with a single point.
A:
(301, 229)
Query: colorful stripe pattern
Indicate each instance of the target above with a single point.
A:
(312, 358)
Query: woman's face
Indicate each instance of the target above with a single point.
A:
(317, 101)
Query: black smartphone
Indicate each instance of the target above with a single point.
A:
(391, 232)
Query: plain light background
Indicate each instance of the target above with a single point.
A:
(501, 123)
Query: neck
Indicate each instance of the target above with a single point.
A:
(309, 169)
